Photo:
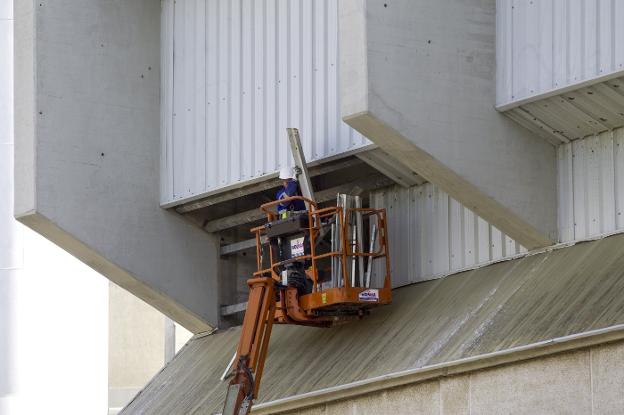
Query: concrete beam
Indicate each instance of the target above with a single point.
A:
(316, 170)
(87, 152)
(228, 310)
(236, 247)
(365, 184)
(390, 167)
(421, 85)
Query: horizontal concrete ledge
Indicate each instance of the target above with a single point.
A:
(240, 246)
(557, 91)
(116, 274)
(425, 165)
(516, 354)
(228, 310)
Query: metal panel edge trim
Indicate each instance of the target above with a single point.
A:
(558, 91)
(242, 183)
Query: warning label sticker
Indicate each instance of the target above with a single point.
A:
(296, 247)
(369, 295)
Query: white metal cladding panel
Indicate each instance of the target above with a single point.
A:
(431, 234)
(591, 186)
(236, 73)
(544, 45)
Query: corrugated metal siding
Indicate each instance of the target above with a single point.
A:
(591, 186)
(544, 45)
(236, 74)
(574, 114)
(431, 234)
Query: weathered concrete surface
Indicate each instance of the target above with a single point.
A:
(419, 399)
(607, 369)
(418, 79)
(455, 395)
(558, 384)
(87, 152)
(505, 305)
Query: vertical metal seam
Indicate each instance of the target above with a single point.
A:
(326, 78)
(512, 31)
(206, 98)
(288, 65)
(613, 40)
(265, 85)
(300, 18)
(597, 45)
(173, 110)
(553, 47)
(313, 108)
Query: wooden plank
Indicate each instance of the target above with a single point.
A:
(368, 183)
(265, 185)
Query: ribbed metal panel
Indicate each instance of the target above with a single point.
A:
(591, 186)
(236, 74)
(545, 45)
(575, 113)
(431, 234)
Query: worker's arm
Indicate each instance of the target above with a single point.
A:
(291, 189)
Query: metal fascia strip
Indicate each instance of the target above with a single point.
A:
(558, 91)
(530, 351)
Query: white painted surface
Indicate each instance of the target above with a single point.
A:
(545, 45)
(53, 309)
(61, 338)
(235, 75)
(431, 234)
(591, 186)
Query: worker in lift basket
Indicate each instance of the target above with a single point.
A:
(294, 272)
(290, 187)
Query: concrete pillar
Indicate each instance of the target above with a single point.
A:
(87, 152)
(418, 79)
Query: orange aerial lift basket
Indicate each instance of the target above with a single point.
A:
(320, 267)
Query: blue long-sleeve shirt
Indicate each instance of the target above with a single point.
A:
(291, 189)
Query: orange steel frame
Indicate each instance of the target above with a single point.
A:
(315, 217)
(264, 309)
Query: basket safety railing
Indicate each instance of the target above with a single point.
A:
(346, 251)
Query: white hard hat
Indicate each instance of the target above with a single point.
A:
(286, 173)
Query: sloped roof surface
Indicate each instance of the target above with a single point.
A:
(508, 304)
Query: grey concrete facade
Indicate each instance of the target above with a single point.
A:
(418, 79)
(87, 152)
(588, 381)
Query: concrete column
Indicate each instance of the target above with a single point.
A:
(87, 152)
(418, 79)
